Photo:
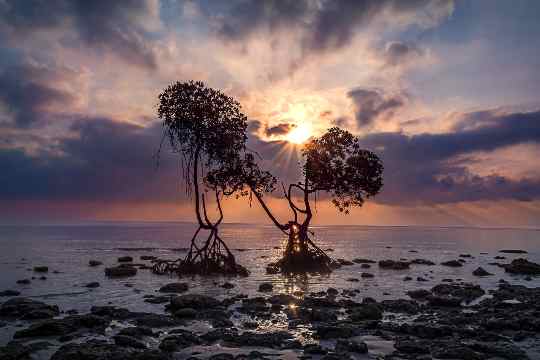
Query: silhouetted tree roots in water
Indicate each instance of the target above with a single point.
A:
(302, 256)
(213, 258)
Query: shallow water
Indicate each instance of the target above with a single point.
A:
(67, 249)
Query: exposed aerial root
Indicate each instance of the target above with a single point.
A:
(214, 258)
(302, 256)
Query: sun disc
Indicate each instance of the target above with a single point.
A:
(300, 134)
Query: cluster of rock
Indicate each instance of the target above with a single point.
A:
(449, 321)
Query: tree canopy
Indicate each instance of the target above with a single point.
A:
(335, 163)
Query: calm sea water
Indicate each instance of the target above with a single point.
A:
(68, 249)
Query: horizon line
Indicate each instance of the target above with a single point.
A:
(156, 222)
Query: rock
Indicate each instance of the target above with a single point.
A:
(419, 293)
(174, 288)
(344, 262)
(27, 309)
(23, 282)
(194, 301)
(64, 326)
(128, 341)
(465, 255)
(394, 265)
(513, 251)
(409, 346)
(266, 287)
(522, 266)
(456, 351)
(15, 351)
(464, 292)
(41, 269)
(120, 271)
(9, 293)
(443, 301)
(366, 312)
(125, 259)
(344, 346)
(101, 350)
(421, 279)
(251, 325)
(452, 263)
(366, 275)
(314, 349)
(422, 262)
(498, 257)
(92, 285)
(403, 306)
(222, 356)
(227, 285)
(186, 313)
(137, 332)
(94, 263)
(338, 331)
(363, 261)
(147, 257)
(365, 266)
(332, 291)
(407, 278)
(277, 339)
(157, 299)
(154, 320)
(480, 271)
(353, 280)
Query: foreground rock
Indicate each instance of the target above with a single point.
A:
(513, 251)
(174, 288)
(522, 266)
(9, 293)
(65, 326)
(452, 263)
(101, 350)
(394, 265)
(193, 301)
(27, 309)
(480, 271)
(120, 271)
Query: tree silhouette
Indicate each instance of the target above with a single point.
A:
(334, 164)
(208, 129)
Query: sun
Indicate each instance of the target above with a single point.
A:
(300, 134)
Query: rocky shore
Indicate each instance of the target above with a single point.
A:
(451, 320)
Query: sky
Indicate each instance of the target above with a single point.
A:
(445, 92)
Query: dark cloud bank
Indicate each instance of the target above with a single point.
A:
(112, 26)
(114, 162)
(326, 25)
(27, 90)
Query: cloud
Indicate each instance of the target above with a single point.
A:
(371, 105)
(400, 53)
(107, 161)
(28, 91)
(114, 26)
(434, 168)
(326, 25)
(279, 129)
(114, 162)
